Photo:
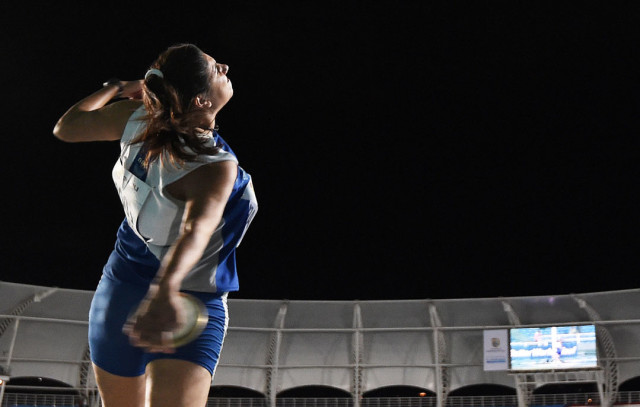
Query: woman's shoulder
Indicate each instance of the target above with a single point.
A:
(133, 114)
(204, 180)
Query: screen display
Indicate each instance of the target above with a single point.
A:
(553, 348)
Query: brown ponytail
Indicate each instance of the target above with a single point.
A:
(173, 122)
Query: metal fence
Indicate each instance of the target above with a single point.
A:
(29, 400)
(581, 399)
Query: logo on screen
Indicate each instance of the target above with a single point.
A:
(495, 342)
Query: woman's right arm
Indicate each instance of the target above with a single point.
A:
(95, 119)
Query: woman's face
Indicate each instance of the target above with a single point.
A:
(221, 89)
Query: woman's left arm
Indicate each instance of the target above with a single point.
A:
(206, 191)
(95, 119)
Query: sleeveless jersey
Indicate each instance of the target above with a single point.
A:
(153, 217)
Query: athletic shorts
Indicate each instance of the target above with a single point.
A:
(113, 302)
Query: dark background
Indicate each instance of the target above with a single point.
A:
(399, 150)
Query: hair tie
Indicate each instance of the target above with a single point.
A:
(154, 71)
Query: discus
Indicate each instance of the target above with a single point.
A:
(197, 318)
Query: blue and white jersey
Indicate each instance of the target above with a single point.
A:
(153, 217)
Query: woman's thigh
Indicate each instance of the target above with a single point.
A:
(173, 382)
(120, 391)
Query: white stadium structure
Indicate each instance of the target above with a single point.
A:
(351, 349)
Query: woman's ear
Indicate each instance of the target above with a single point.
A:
(202, 102)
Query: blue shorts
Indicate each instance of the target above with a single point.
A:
(110, 348)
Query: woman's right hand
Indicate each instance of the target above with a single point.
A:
(152, 324)
(95, 119)
(132, 89)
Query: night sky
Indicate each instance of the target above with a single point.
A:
(399, 150)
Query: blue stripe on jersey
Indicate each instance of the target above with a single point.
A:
(137, 166)
(236, 216)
